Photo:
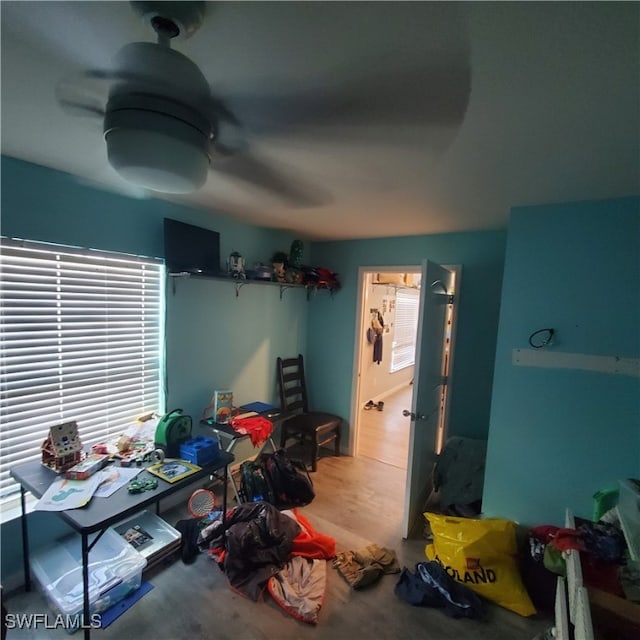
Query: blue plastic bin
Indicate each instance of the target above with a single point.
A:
(199, 450)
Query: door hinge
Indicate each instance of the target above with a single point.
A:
(445, 381)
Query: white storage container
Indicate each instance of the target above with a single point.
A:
(629, 513)
(115, 570)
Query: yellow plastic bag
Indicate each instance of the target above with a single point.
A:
(481, 554)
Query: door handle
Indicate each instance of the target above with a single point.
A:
(414, 416)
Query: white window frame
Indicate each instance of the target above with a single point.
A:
(81, 338)
(405, 329)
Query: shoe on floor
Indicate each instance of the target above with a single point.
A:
(380, 406)
(370, 405)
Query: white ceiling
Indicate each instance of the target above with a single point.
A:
(477, 107)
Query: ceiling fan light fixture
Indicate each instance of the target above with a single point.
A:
(157, 152)
(155, 161)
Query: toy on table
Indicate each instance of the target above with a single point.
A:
(87, 467)
(63, 448)
(138, 486)
(220, 407)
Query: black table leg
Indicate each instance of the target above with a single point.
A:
(25, 541)
(86, 619)
(224, 493)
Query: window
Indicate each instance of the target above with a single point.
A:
(405, 328)
(80, 339)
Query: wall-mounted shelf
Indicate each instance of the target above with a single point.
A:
(238, 283)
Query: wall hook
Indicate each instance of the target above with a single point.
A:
(541, 338)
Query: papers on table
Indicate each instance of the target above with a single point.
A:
(68, 494)
(112, 478)
(72, 494)
(139, 436)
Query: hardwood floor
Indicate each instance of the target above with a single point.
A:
(384, 435)
(356, 503)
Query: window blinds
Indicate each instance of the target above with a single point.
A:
(80, 339)
(405, 326)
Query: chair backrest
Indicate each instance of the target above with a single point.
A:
(293, 388)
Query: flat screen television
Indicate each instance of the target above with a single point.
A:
(191, 249)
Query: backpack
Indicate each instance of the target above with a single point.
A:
(254, 485)
(172, 429)
(290, 481)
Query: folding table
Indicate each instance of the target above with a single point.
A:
(101, 513)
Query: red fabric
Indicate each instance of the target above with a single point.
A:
(256, 427)
(218, 554)
(544, 532)
(567, 539)
(311, 544)
(600, 574)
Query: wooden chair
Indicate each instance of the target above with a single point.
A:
(313, 426)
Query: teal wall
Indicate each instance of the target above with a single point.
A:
(332, 322)
(557, 436)
(213, 338)
(216, 340)
(42, 204)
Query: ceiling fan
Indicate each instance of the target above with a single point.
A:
(165, 129)
(161, 123)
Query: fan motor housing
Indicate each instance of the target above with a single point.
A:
(157, 143)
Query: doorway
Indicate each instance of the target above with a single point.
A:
(411, 426)
(388, 328)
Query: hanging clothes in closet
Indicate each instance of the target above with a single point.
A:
(377, 324)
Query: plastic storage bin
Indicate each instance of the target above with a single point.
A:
(150, 536)
(200, 450)
(115, 570)
(604, 500)
(629, 513)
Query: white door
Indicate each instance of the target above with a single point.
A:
(426, 406)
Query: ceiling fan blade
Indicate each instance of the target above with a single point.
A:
(293, 190)
(84, 93)
(80, 109)
(88, 92)
(91, 88)
(426, 95)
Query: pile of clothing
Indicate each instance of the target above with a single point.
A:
(261, 548)
(603, 559)
(602, 543)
